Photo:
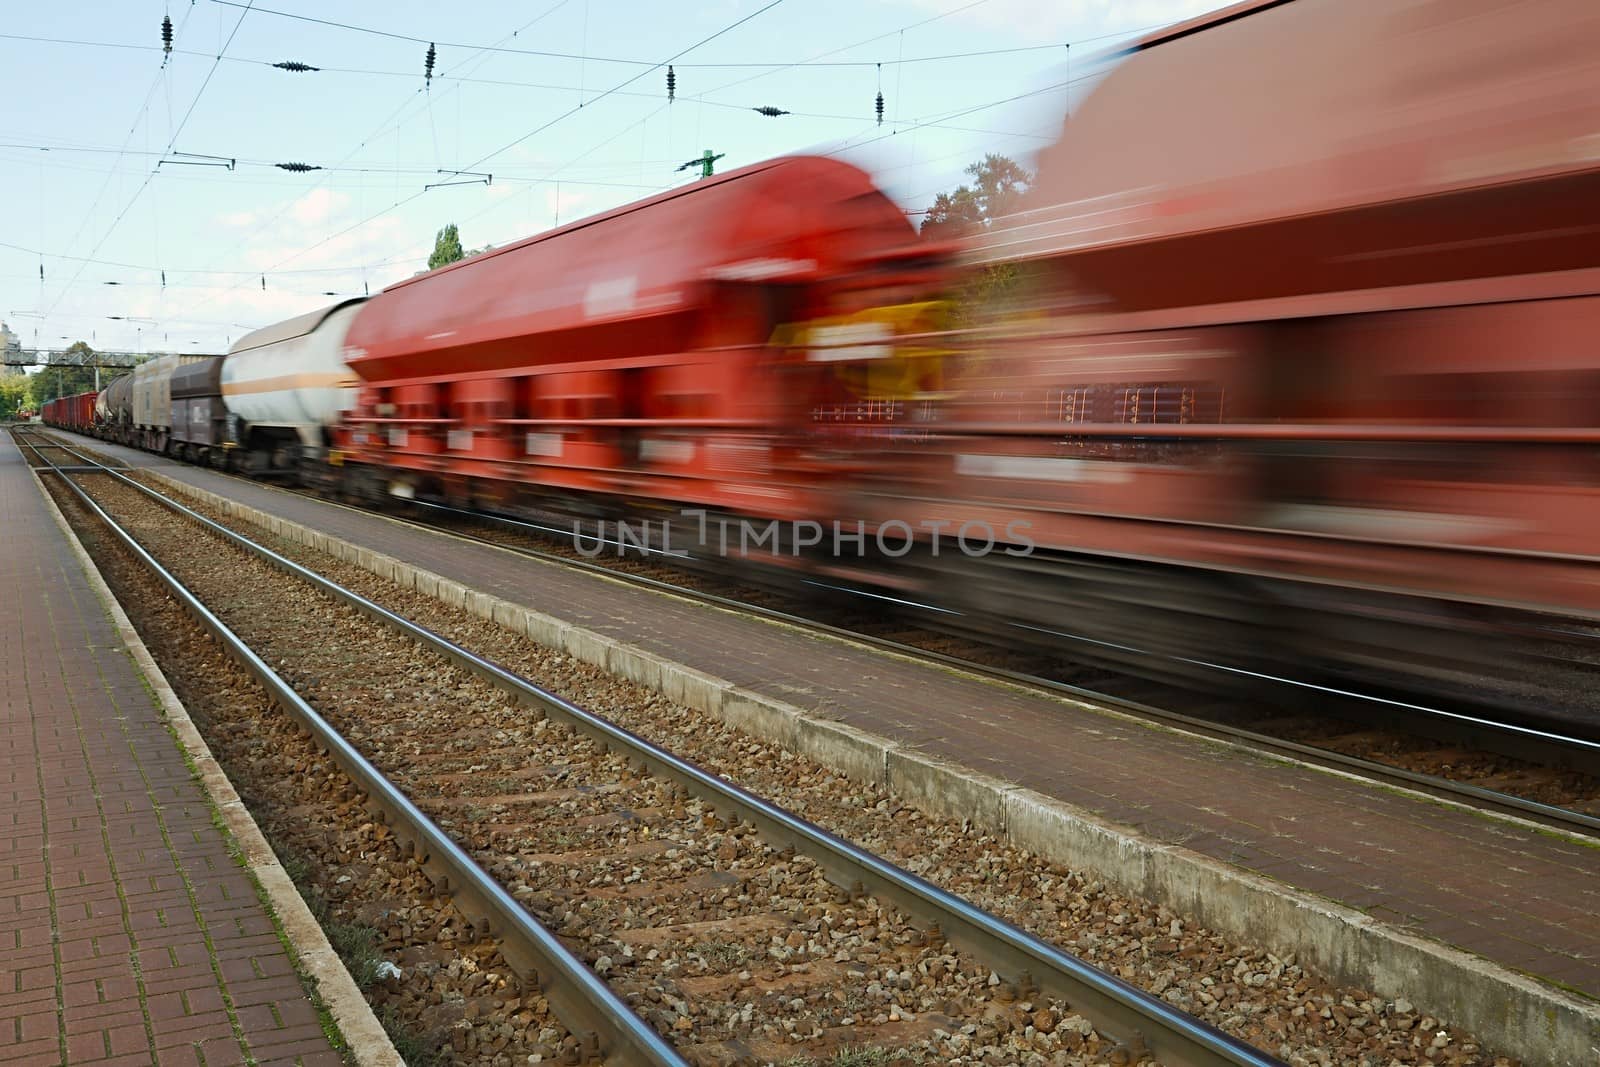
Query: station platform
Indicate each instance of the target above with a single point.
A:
(128, 933)
(1522, 897)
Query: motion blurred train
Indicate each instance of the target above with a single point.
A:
(1296, 371)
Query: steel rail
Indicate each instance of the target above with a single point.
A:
(586, 1005)
(1460, 792)
(1140, 1021)
(1477, 796)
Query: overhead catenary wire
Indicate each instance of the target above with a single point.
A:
(852, 144)
(406, 200)
(384, 125)
(170, 145)
(627, 82)
(647, 63)
(662, 107)
(929, 120)
(766, 66)
(473, 166)
(702, 99)
(144, 109)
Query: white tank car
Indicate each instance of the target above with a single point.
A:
(288, 381)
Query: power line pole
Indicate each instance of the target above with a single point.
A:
(704, 163)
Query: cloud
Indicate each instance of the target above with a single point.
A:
(319, 205)
(220, 309)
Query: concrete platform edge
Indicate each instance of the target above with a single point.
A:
(368, 1043)
(1536, 1022)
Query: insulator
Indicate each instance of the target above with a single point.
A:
(427, 69)
(364, 290)
(298, 168)
(41, 272)
(769, 111)
(880, 108)
(163, 279)
(263, 283)
(672, 84)
(295, 66)
(166, 35)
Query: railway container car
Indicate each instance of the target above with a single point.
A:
(1305, 371)
(627, 356)
(199, 421)
(1297, 375)
(152, 400)
(74, 412)
(83, 406)
(117, 423)
(286, 386)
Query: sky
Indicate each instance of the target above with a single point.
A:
(146, 187)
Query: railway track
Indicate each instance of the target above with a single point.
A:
(1483, 740)
(726, 929)
(1523, 742)
(1139, 697)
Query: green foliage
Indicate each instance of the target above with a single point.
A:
(416, 1050)
(860, 1056)
(953, 214)
(998, 185)
(13, 395)
(984, 291)
(52, 382)
(357, 946)
(446, 248)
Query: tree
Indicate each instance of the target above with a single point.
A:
(953, 214)
(446, 248)
(58, 380)
(13, 396)
(999, 184)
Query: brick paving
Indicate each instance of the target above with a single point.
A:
(128, 934)
(1527, 899)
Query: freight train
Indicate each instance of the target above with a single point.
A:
(76, 412)
(1300, 379)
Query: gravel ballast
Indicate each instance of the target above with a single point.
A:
(451, 1000)
(1269, 1001)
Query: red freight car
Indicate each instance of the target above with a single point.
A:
(82, 411)
(1307, 366)
(74, 412)
(634, 355)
